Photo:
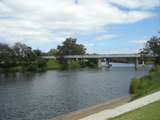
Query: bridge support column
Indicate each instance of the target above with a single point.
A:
(143, 62)
(107, 62)
(99, 64)
(136, 63)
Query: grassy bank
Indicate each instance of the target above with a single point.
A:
(56, 65)
(146, 85)
(149, 112)
(53, 65)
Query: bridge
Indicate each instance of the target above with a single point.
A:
(102, 57)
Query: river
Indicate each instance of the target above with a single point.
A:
(39, 96)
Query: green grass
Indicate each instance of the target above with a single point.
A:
(145, 85)
(53, 64)
(149, 112)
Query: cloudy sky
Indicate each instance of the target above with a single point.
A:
(104, 26)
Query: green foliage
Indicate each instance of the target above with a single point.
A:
(37, 52)
(53, 52)
(53, 64)
(91, 63)
(7, 57)
(135, 84)
(20, 57)
(145, 85)
(153, 47)
(39, 65)
(70, 47)
(74, 64)
(148, 112)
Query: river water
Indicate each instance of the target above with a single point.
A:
(39, 96)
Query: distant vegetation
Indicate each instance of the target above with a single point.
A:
(21, 57)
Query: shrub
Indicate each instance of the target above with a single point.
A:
(145, 85)
(74, 65)
(41, 65)
(134, 86)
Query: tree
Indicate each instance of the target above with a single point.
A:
(53, 52)
(23, 51)
(6, 55)
(152, 47)
(37, 52)
(70, 47)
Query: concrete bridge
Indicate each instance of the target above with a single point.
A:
(102, 57)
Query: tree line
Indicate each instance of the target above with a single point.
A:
(21, 57)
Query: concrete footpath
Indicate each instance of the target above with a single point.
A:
(110, 113)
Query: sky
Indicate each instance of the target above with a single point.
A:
(103, 26)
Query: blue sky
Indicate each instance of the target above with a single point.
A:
(103, 26)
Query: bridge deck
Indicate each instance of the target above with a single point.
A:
(97, 56)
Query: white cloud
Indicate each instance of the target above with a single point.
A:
(51, 21)
(137, 4)
(138, 42)
(105, 37)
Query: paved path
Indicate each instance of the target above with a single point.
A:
(110, 113)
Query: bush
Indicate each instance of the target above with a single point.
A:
(30, 67)
(74, 65)
(38, 65)
(134, 86)
(145, 85)
(41, 65)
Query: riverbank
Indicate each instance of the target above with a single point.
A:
(146, 85)
(131, 106)
(94, 109)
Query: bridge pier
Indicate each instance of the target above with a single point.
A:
(143, 62)
(136, 63)
(107, 62)
(99, 64)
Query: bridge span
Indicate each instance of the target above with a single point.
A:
(101, 57)
(95, 56)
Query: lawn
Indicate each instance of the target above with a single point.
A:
(53, 64)
(149, 112)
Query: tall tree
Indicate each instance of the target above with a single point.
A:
(6, 55)
(37, 52)
(53, 52)
(70, 47)
(153, 47)
(22, 50)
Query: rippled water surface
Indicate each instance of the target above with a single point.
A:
(39, 96)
